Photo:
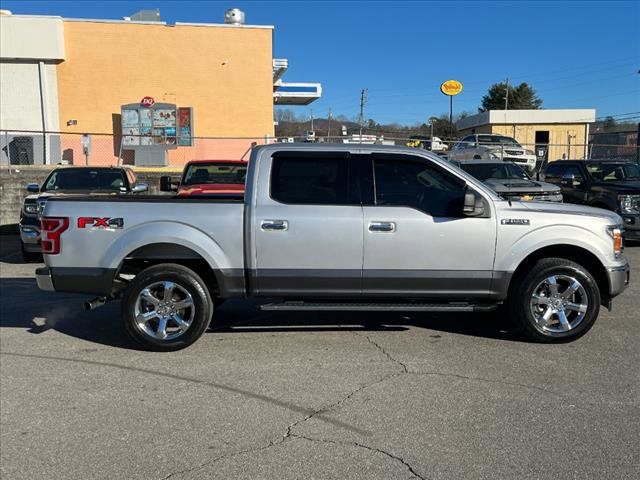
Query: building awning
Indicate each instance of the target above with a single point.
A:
(292, 93)
(296, 93)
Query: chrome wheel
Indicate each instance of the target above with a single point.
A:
(164, 310)
(558, 304)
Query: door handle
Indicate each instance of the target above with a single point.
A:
(382, 227)
(274, 225)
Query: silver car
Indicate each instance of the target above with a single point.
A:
(493, 147)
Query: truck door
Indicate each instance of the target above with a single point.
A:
(417, 243)
(307, 224)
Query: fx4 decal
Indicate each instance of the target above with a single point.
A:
(100, 222)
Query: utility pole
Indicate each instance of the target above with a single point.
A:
(312, 120)
(506, 96)
(363, 100)
(329, 125)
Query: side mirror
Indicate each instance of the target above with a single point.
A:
(139, 187)
(570, 181)
(167, 185)
(473, 204)
(33, 187)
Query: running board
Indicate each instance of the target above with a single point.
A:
(380, 307)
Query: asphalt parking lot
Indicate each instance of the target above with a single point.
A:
(311, 395)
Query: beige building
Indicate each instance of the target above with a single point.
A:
(562, 133)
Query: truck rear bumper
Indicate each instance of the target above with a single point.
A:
(98, 281)
(618, 279)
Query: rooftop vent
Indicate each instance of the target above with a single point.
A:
(146, 16)
(234, 16)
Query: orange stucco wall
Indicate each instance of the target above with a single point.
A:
(224, 73)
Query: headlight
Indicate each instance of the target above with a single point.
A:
(629, 203)
(31, 208)
(615, 232)
(530, 152)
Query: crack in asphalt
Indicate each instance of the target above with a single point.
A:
(309, 414)
(384, 352)
(406, 464)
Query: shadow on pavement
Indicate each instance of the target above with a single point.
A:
(22, 305)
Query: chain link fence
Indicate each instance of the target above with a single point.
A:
(54, 148)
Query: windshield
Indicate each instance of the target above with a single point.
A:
(87, 179)
(613, 172)
(495, 171)
(230, 174)
(497, 140)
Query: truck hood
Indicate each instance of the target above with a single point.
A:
(522, 186)
(67, 193)
(571, 209)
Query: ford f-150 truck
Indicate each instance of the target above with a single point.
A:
(337, 227)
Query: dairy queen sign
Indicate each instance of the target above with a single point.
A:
(147, 102)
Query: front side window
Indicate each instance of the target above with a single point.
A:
(554, 173)
(575, 172)
(419, 185)
(85, 179)
(310, 181)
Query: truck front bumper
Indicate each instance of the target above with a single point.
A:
(618, 279)
(631, 225)
(30, 236)
(44, 279)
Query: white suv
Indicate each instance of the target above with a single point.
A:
(493, 147)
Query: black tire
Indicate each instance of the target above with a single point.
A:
(521, 310)
(186, 280)
(30, 257)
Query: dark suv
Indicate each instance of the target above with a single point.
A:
(65, 181)
(610, 184)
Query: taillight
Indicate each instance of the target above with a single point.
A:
(51, 228)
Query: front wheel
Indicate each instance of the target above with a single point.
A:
(166, 307)
(556, 301)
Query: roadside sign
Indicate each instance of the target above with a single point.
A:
(451, 87)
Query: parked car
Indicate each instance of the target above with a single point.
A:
(434, 144)
(510, 181)
(610, 184)
(65, 181)
(493, 147)
(313, 233)
(207, 177)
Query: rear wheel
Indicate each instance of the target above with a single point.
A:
(556, 301)
(166, 307)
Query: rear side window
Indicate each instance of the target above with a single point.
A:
(310, 181)
(418, 185)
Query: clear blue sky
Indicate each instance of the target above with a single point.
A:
(582, 54)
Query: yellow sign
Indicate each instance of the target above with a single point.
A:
(451, 87)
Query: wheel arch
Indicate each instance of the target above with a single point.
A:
(570, 252)
(150, 244)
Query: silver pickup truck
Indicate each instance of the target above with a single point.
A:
(337, 227)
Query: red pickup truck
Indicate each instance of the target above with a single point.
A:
(207, 177)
